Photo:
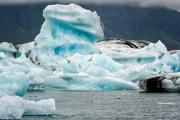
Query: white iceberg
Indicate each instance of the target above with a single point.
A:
(13, 107)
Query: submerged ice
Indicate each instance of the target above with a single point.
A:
(68, 54)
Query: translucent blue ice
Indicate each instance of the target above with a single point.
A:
(71, 28)
(66, 55)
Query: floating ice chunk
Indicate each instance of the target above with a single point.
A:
(13, 107)
(42, 107)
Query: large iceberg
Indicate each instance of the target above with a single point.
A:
(69, 54)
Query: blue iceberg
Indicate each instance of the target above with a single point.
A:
(68, 54)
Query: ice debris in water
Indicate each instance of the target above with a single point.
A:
(14, 107)
(68, 54)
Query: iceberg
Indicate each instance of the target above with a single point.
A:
(14, 107)
(71, 53)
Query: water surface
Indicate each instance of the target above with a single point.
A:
(110, 105)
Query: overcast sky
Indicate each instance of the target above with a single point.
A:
(173, 4)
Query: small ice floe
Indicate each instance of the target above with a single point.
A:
(14, 107)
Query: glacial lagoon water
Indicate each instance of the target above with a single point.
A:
(109, 105)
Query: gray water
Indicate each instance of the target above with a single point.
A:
(110, 105)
